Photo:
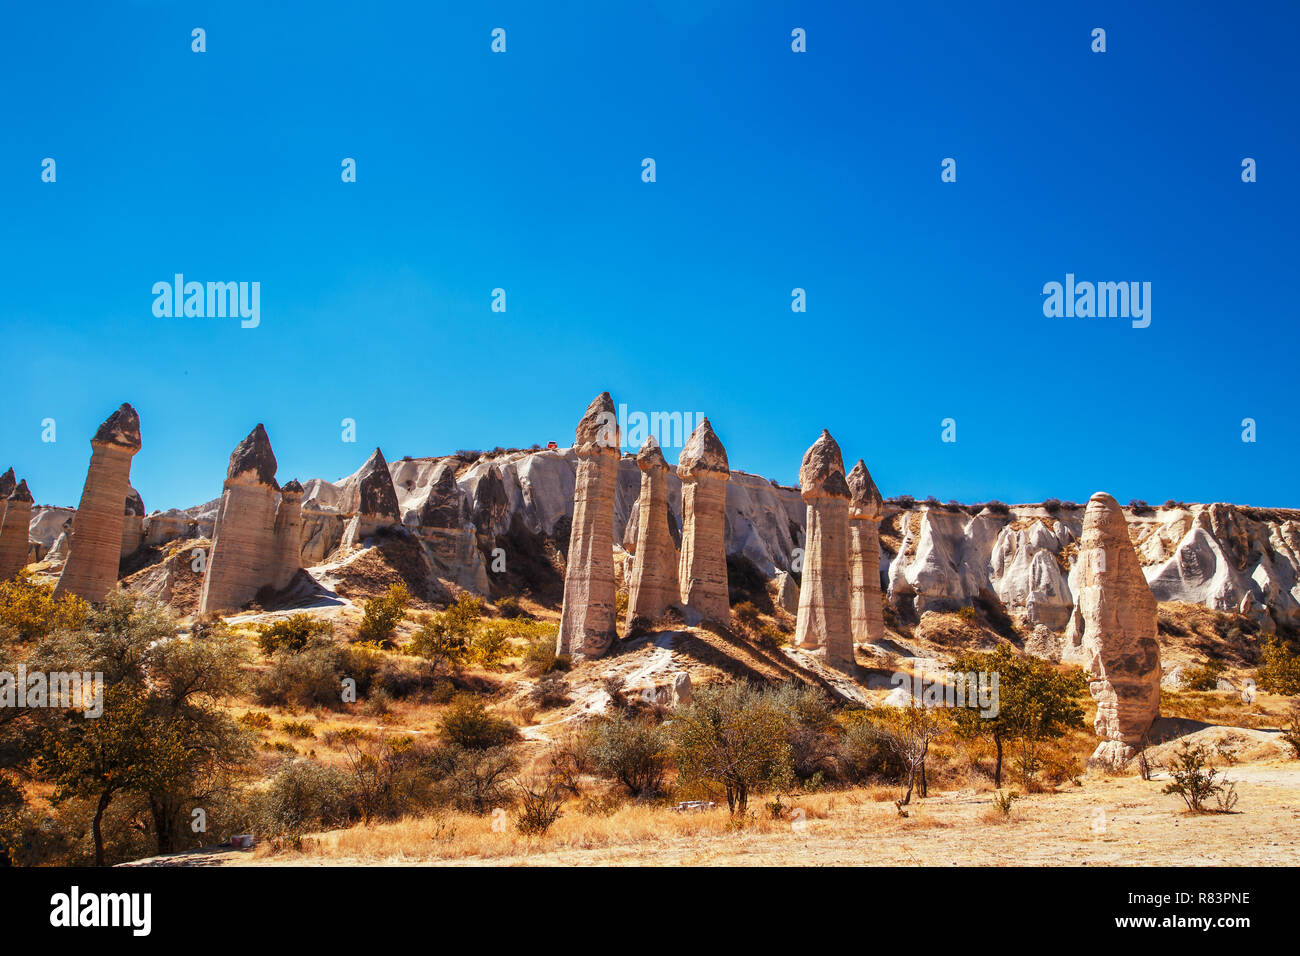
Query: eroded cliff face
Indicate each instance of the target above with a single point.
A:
(1222, 556)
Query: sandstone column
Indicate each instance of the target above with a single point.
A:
(288, 535)
(13, 531)
(1118, 615)
(7, 485)
(653, 585)
(243, 553)
(702, 571)
(866, 508)
(587, 621)
(824, 619)
(377, 502)
(132, 523)
(96, 545)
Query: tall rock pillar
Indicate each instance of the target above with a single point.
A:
(7, 485)
(132, 524)
(653, 585)
(1117, 612)
(96, 545)
(866, 508)
(288, 535)
(588, 619)
(702, 571)
(824, 619)
(243, 542)
(13, 531)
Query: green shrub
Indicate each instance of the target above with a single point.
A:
(291, 633)
(509, 608)
(1204, 676)
(466, 723)
(304, 796)
(314, 676)
(382, 614)
(1279, 669)
(633, 751)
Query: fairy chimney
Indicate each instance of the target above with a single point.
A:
(587, 620)
(866, 508)
(243, 554)
(13, 531)
(653, 584)
(95, 549)
(702, 570)
(824, 620)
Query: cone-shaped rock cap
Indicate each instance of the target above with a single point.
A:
(21, 493)
(121, 428)
(7, 483)
(650, 456)
(294, 487)
(134, 504)
(599, 424)
(1103, 521)
(703, 453)
(253, 455)
(822, 473)
(866, 502)
(378, 497)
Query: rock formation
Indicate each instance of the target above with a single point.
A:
(243, 553)
(653, 585)
(132, 523)
(702, 572)
(824, 619)
(587, 620)
(444, 505)
(96, 546)
(7, 485)
(288, 536)
(787, 592)
(1117, 613)
(376, 502)
(865, 511)
(13, 531)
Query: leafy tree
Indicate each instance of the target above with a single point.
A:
(29, 611)
(908, 732)
(382, 614)
(1193, 778)
(631, 750)
(291, 633)
(1279, 668)
(162, 734)
(734, 736)
(1035, 702)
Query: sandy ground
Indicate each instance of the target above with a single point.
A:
(1106, 821)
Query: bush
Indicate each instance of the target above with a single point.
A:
(632, 751)
(467, 724)
(304, 796)
(540, 657)
(29, 611)
(509, 608)
(291, 633)
(865, 754)
(1291, 732)
(383, 614)
(550, 691)
(734, 737)
(314, 676)
(1193, 778)
(746, 615)
(540, 807)
(1279, 669)
(475, 780)
(1204, 676)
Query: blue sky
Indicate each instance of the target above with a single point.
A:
(775, 170)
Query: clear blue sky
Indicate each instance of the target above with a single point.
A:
(775, 170)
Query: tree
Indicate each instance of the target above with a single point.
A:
(383, 614)
(1279, 668)
(908, 732)
(734, 736)
(632, 751)
(162, 733)
(1034, 702)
